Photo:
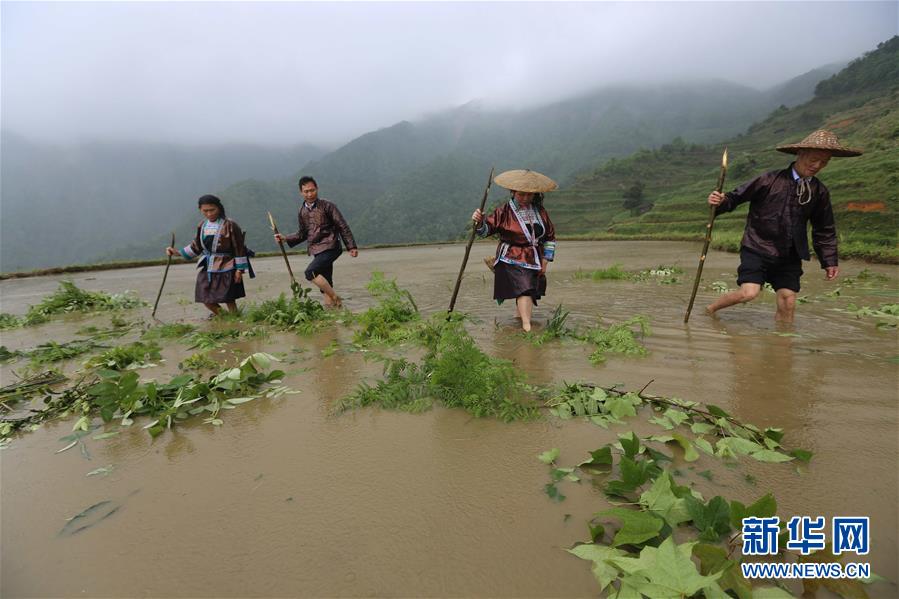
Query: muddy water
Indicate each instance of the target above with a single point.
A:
(288, 499)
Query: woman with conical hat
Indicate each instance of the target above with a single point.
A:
(781, 205)
(527, 240)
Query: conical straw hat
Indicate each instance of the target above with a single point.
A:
(821, 140)
(525, 180)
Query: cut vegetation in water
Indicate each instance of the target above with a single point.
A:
(68, 299)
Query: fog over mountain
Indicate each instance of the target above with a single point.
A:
(116, 116)
(323, 73)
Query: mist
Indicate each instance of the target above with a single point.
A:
(284, 73)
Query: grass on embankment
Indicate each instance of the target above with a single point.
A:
(678, 177)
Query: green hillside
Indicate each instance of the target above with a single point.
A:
(415, 182)
(860, 104)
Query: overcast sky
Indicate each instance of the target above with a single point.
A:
(326, 72)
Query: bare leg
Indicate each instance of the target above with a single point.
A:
(786, 305)
(331, 298)
(214, 308)
(525, 306)
(232, 307)
(746, 293)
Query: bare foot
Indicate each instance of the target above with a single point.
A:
(526, 327)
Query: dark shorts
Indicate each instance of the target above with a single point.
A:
(323, 264)
(510, 282)
(782, 273)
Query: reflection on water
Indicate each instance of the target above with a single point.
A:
(288, 499)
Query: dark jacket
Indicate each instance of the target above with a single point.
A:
(225, 252)
(514, 247)
(321, 226)
(777, 222)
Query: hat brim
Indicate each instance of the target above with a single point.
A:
(526, 181)
(836, 152)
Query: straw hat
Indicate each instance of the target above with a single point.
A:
(525, 180)
(821, 140)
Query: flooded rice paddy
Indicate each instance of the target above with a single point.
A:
(286, 498)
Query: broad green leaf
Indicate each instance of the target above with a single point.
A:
(665, 571)
(690, 453)
(767, 455)
(801, 454)
(714, 591)
(553, 491)
(764, 507)
(630, 445)
(599, 394)
(620, 407)
(661, 501)
(704, 445)
(712, 519)
(716, 411)
(558, 474)
(663, 422)
(730, 447)
(602, 421)
(239, 400)
(600, 459)
(549, 456)
(701, 428)
(675, 416)
(598, 554)
(261, 361)
(660, 438)
(636, 527)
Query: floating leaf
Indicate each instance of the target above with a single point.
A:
(664, 571)
(716, 411)
(105, 471)
(553, 491)
(600, 459)
(767, 455)
(636, 527)
(661, 501)
(630, 445)
(764, 507)
(549, 456)
(712, 519)
(690, 453)
(801, 454)
(604, 573)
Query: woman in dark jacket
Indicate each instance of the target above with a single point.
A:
(223, 257)
(527, 240)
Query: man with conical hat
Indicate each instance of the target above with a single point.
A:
(527, 240)
(781, 204)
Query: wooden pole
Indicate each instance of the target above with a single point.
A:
(474, 231)
(165, 274)
(708, 235)
(294, 286)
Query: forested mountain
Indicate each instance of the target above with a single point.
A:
(413, 181)
(418, 181)
(660, 193)
(73, 204)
